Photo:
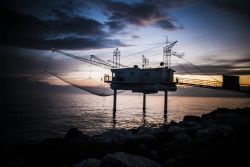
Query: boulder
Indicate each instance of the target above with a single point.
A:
(115, 135)
(146, 130)
(89, 163)
(181, 141)
(128, 160)
(188, 118)
(171, 162)
(73, 133)
(183, 138)
(173, 130)
(191, 127)
(141, 138)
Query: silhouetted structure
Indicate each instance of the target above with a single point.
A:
(231, 82)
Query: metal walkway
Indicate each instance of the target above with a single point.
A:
(209, 84)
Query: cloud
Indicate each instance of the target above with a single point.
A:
(115, 26)
(240, 7)
(244, 59)
(143, 13)
(66, 32)
(61, 24)
(135, 36)
(216, 67)
(166, 24)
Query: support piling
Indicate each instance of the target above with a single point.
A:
(166, 103)
(144, 101)
(114, 102)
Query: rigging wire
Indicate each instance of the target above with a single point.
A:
(48, 62)
(181, 66)
(144, 50)
(199, 69)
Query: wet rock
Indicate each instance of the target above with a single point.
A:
(171, 162)
(238, 122)
(181, 142)
(205, 135)
(173, 130)
(183, 138)
(215, 131)
(76, 136)
(146, 130)
(89, 163)
(141, 138)
(73, 133)
(128, 160)
(117, 136)
(191, 118)
(191, 127)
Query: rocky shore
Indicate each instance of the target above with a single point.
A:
(219, 138)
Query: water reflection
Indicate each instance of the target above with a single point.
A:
(143, 121)
(165, 116)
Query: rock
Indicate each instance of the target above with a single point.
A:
(143, 138)
(146, 130)
(191, 118)
(173, 130)
(89, 163)
(171, 162)
(206, 135)
(116, 135)
(215, 131)
(128, 160)
(181, 142)
(191, 127)
(225, 116)
(73, 133)
(183, 138)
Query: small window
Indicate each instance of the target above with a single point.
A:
(132, 73)
(113, 74)
(147, 73)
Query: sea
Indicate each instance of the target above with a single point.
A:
(32, 119)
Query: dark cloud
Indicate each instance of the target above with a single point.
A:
(63, 24)
(143, 13)
(217, 67)
(115, 26)
(244, 59)
(135, 36)
(166, 24)
(68, 33)
(240, 7)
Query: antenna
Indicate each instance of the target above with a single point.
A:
(145, 62)
(167, 52)
(116, 58)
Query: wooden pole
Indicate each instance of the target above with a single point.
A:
(144, 101)
(166, 103)
(114, 102)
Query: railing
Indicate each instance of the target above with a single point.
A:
(198, 82)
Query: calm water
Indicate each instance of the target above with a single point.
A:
(52, 115)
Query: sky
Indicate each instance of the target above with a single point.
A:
(213, 35)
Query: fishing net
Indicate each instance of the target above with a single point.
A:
(90, 85)
(63, 68)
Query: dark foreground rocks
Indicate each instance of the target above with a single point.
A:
(219, 138)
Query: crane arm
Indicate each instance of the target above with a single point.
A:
(179, 55)
(93, 62)
(121, 65)
(99, 60)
